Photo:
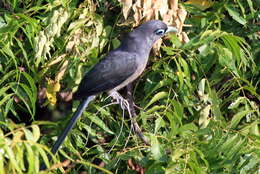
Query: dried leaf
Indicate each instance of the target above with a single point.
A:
(182, 13)
(127, 4)
(56, 60)
(174, 4)
(163, 8)
(185, 37)
(62, 71)
(66, 96)
(137, 12)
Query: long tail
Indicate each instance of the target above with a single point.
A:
(82, 106)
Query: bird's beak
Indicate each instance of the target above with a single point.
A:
(171, 29)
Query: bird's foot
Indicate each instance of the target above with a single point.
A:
(119, 100)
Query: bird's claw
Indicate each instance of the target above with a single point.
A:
(119, 100)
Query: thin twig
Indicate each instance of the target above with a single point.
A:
(137, 129)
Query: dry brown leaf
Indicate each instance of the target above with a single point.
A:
(182, 13)
(185, 37)
(75, 40)
(149, 15)
(137, 12)
(66, 96)
(41, 93)
(163, 9)
(148, 5)
(127, 4)
(56, 60)
(62, 164)
(156, 47)
(62, 71)
(135, 167)
(173, 4)
(167, 10)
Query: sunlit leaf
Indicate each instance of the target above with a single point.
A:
(158, 124)
(52, 88)
(158, 96)
(201, 4)
(205, 116)
(36, 133)
(12, 158)
(2, 170)
(156, 148)
(237, 117)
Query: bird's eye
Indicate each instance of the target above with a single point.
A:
(160, 32)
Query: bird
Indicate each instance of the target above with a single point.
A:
(117, 69)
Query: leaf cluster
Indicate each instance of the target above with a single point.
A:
(198, 102)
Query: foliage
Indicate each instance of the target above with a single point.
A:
(19, 148)
(198, 102)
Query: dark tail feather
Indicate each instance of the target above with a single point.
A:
(69, 126)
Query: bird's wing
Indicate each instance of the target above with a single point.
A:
(110, 72)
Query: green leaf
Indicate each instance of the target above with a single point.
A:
(237, 117)
(231, 141)
(204, 116)
(115, 43)
(201, 87)
(6, 98)
(91, 131)
(99, 122)
(226, 59)
(178, 110)
(43, 155)
(7, 76)
(36, 132)
(32, 86)
(2, 169)
(235, 15)
(248, 129)
(157, 97)
(28, 135)
(250, 4)
(12, 158)
(155, 168)
(188, 129)
(162, 83)
(215, 107)
(237, 102)
(30, 158)
(155, 108)
(159, 122)
(155, 148)
(236, 148)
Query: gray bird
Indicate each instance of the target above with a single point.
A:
(117, 69)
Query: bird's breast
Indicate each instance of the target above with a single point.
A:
(141, 64)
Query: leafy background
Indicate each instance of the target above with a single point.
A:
(198, 102)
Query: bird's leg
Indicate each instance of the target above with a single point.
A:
(119, 99)
(129, 106)
(133, 114)
(125, 106)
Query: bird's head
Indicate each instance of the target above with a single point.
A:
(155, 29)
(142, 38)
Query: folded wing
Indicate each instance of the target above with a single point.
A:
(110, 72)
